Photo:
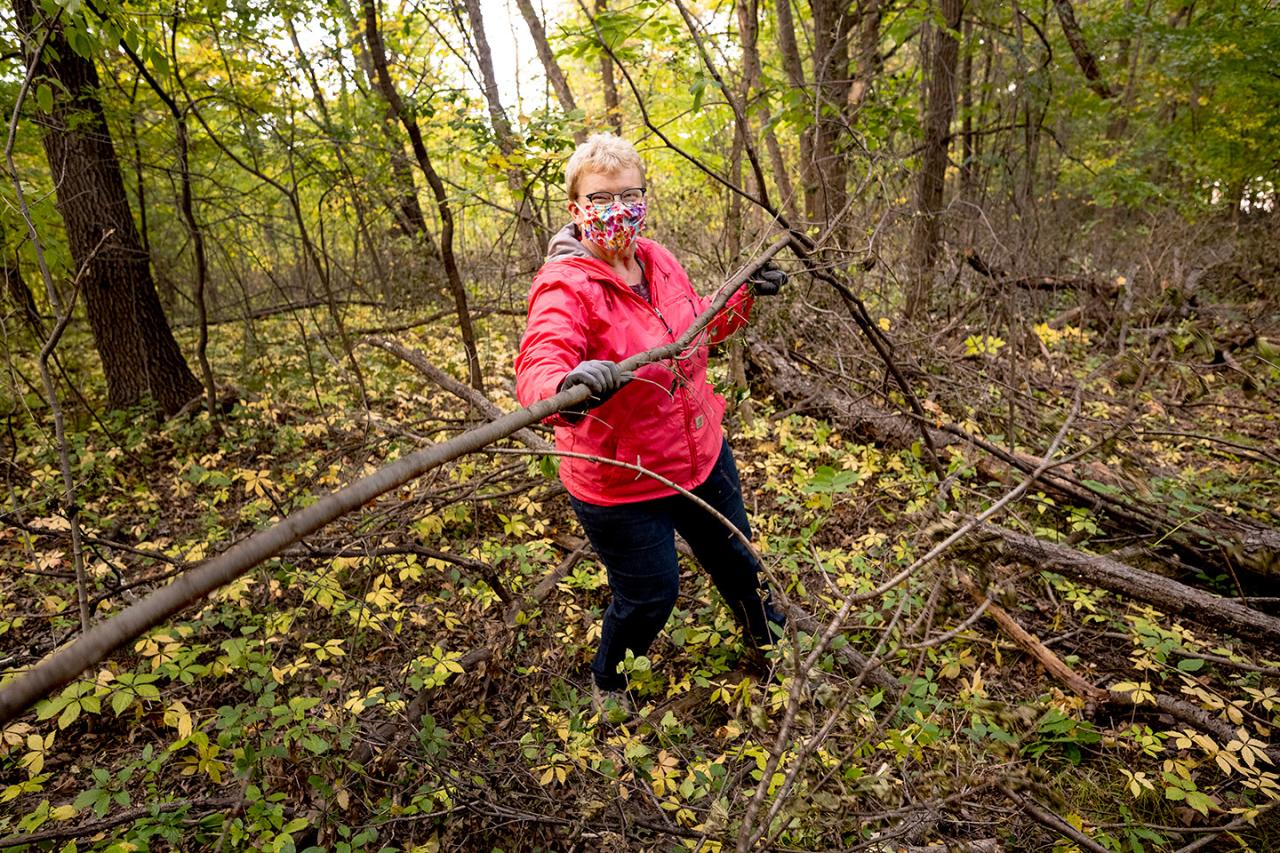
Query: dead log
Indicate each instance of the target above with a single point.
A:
(1165, 594)
(1212, 540)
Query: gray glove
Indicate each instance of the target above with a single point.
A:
(604, 378)
(768, 280)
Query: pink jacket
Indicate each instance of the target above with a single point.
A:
(668, 418)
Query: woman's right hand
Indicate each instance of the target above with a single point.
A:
(604, 378)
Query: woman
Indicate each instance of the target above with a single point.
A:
(604, 294)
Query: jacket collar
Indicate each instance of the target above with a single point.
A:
(565, 245)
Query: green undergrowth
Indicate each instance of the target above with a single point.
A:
(234, 726)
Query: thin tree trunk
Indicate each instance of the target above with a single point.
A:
(832, 25)
(612, 107)
(790, 52)
(867, 55)
(533, 236)
(940, 99)
(749, 34)
(966, 123)
(1080, 49)
(140, 357)
(406, 209)
(550, 67)
(1130, 54)
(378, 55)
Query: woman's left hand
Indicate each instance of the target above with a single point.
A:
(768, 280)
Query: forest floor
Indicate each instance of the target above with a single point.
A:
(401, 680)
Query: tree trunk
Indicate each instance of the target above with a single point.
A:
(533, 237)
(825, 195)
(612, 108)
(140, 358)
(406, 209)
(867, 55)
(940, 99)
(549, 65)
(1080, 48)
(749, 33)
(794, 68)
(378, 54)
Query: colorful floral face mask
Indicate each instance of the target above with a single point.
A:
(613, 228)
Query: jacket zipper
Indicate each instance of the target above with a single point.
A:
(684, 405)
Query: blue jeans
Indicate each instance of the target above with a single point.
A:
(636, 543)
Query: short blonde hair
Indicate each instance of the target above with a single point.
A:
(604, 153)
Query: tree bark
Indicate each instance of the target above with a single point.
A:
(749, 34)
(940, 99)
(1080, 48)
(549, 65)
(832, 24)
(790, 52)
(533, 236)
(378, 55)
(139, 355)
(612, 107)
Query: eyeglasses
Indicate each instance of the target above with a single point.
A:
(627, 196)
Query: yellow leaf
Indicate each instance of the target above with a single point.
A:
(63, 812)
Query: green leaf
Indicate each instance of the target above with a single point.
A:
(87, 798)
(294, 825)
(1190, 664)
(697, 89)
(69, 715)
(44, 97)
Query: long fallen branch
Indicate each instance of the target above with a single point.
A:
(1178, 709)
(472, 397)
(62, 833)
(194, 585)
